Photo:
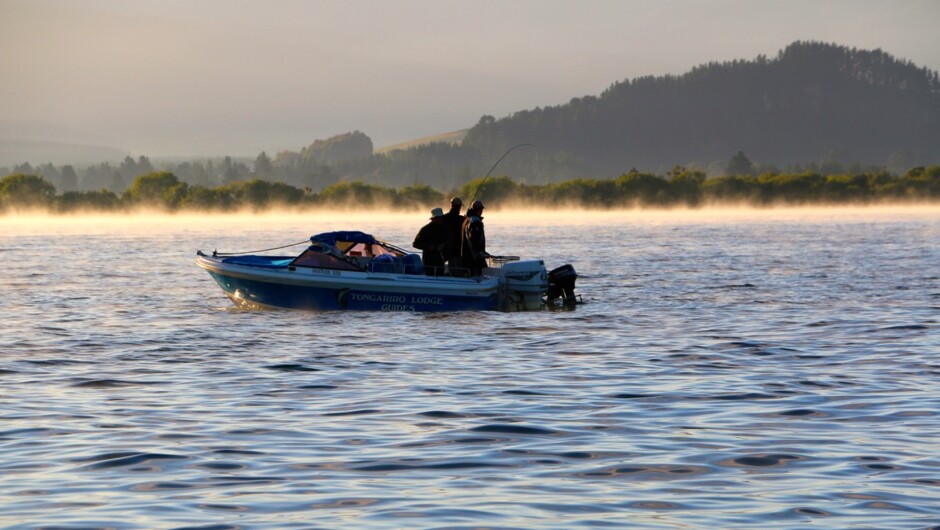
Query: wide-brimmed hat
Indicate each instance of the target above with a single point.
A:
(456, 202)
(437, 212)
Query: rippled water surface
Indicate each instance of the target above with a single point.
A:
(738, 369)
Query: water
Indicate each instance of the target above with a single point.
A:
(731, 370)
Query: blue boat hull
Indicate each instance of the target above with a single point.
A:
(289, 288)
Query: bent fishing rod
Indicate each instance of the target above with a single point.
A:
(482, 182)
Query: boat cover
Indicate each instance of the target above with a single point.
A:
(260, 261)
(330, 238)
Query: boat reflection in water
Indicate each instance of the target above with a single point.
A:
(355, 271)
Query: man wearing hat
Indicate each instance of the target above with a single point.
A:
(473, 250)
(454, 222)
(431, 239)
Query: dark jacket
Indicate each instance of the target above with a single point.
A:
(431, 239)
(473, 250)
(454, 222)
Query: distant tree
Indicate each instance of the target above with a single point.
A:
(579, 192)
(233, 170)
(418, 196)
(729, 189)
(128, 168)
(319, 178)
(51, 174)
(73, 201)
(354, 194)
(491, 190)
(740, 165)
(643, 188)
(97, 177)
(117, 184)
(69, 179)
(286, 160)
(25, 168)
(842, 188)
(686, 185)
(260, 194)
(203, 198)
(192, 173)
(922, 182)
(161, 189)
(229, 174)
(794, 189)
(264, 167)
(144, 165)
(25, 191)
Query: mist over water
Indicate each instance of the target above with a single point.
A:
(732, 369)
(140, 220)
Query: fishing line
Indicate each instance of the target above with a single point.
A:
(494, 167)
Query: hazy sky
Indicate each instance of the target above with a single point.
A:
(214, 77)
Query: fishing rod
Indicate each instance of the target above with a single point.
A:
(494, 167)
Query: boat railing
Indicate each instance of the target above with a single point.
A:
(410, 265)
(498, 261)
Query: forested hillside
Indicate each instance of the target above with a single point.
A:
(813, 102)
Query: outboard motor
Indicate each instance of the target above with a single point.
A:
(561, 285)
(522, 285)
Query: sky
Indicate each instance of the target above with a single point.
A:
(235, 77)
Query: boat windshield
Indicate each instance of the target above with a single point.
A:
(367, 250)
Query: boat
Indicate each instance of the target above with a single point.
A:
(353, 270)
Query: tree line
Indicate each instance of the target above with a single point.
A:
(162, 190)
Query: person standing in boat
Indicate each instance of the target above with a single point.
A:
(473, 249)
(454, 222)
(432, 239)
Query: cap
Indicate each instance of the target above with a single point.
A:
(477, 205)
(437, 212)
(456, 202)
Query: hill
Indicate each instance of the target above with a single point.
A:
(813, 102)
(40, 142)
(453, 138)
(13, 152)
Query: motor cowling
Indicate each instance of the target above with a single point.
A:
(561, 284)
(523, 283)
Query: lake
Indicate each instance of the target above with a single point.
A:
(729, 369)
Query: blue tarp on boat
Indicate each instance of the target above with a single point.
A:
(260, 261)
(330, 238)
